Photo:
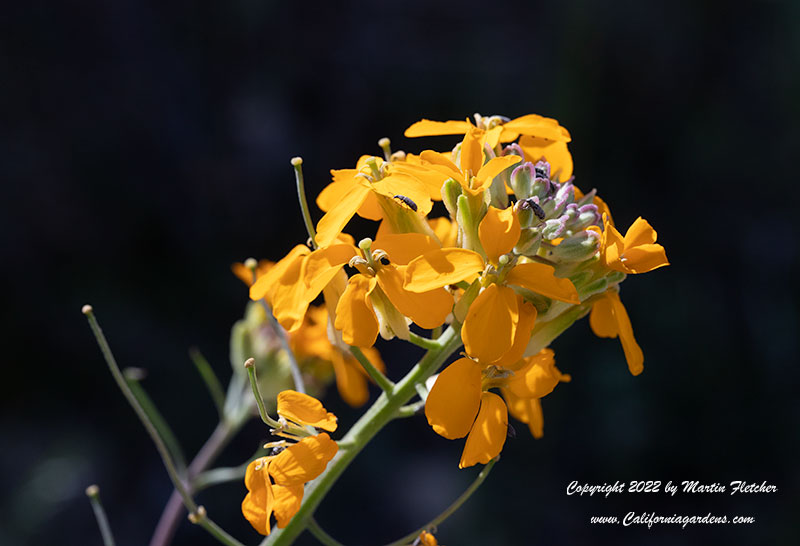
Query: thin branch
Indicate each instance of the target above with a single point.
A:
(210, 379)
(383, 382)
(93, 492)
(320, 534)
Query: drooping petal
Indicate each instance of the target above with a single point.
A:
(494, 167)
(257, 505)
(540, 278)
(427, 127)
(537, 378)
(554, 152)
(633, 353)
(526, 410)
(351, 384)
(499, 232)
(303, 409)
(265, 284)
(522, 335)
(439, 268)
(355, 316)
(490, 324)
(454, 400)
(404, 247)
(488, 434)
(333, 222)
(472, 152)
(287, 503)
(602, 320)
(428, 309)
(303, 461)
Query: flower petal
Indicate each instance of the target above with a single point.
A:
(644, 258)
(404, 247)
(355, 316)
(439, 268)
(522, 335)
(257, 505)
(472, 152)
(454, 400)
(265, 284)
(351, 384)
(324, 264)
(555, 153)
(633, 353)
(333, 222)
(287, 503)
(440, 162)
(527, 410)
(488, 434)
(490, 324)
(428, 309)
(427, 127)
(494, 167)
(537, 378)
(445, 230)
(303, 461)
(499, 232)
(536, 126)
(540, 278)
(602, 320)
(304, 410)
(640, 233)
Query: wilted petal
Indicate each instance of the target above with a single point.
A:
(633, 353)
(454, 400)
(488, 434)
(540, 278)
(303, 409)
(439, 268)
(490, 324)
(303, 461)
(258, 503)
(355, 316)
(499, 232)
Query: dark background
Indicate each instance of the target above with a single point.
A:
(144, 147)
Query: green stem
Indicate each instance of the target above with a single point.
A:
(376, 417)
(210, 379)
(484, 473)
(143, 417)
(93, 492)
(411, 410)
(133, 377)
(320, 534)
(423, 342)
(382, 381)
(297, 163)
(216, 531)
(545, 332)
(297, 375)
(250, 364)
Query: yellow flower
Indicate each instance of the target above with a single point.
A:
(369, 190)
(426, 539)
(275, 483)
(460, 404)
(245, 274)
(637, 252)
(490, 326)
(471, 173)
(311, 340)
(539, 137)
(610, 319)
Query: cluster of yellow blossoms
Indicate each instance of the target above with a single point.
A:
(492, 238)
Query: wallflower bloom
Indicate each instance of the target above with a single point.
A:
(460, 404)
(490, 326)
(275, 483)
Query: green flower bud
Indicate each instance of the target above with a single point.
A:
(450, 192)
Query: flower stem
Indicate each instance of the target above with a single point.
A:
(297, 163)
(376, 417)
(297, 375)
(93, 492)
(320, 534)
(148, 424)
(484, 473)
(382, 381)
(250, 365)
(420, 341)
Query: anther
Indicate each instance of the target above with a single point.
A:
(198, 515)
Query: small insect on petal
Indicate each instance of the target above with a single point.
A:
(411, 204)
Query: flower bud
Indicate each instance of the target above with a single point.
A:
(578, 247)
(521, 179)
(530, 239)
(450, 192)
(553, 229)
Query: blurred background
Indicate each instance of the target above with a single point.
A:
(145, 147)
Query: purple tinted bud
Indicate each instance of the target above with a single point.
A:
(563, 196)
(554, 228)
(521, 180)
(513, 149)
(543, 169)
